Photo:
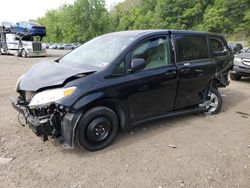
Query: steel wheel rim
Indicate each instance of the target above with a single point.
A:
(213, 102)
(99, 130)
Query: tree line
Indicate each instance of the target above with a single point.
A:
(86, 19)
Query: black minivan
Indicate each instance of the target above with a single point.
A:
(120, 80)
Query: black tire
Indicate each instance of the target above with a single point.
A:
(2, 52)
(215, 100)
(23, 53)
(235, 76)
(97, 128)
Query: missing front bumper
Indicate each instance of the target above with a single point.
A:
(39, 125)
(61, 127)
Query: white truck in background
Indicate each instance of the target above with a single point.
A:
(20, 45)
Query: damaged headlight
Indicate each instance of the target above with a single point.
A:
(49, 96)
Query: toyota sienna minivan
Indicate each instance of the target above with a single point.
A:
(123, 79)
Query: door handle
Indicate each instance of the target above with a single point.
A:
(198, 70)
(170, 74)
(185, 70)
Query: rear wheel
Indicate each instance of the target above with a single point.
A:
(214, 102)
(235, 76)
(97, 128)
(24, 53)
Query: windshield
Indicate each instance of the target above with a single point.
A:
(98, 52)
(248, 50)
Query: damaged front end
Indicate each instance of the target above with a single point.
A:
(43, 121)
(43, 92)
(46, 117)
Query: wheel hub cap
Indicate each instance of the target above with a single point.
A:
(99, 130)
(213, 102)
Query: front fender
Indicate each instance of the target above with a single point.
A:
(87, 100)
(71, 119)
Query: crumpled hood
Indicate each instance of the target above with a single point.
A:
(43, 75)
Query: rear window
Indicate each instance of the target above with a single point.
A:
(191, 48)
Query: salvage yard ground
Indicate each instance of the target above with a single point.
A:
(191, 151)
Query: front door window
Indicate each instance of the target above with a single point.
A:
(154, 52)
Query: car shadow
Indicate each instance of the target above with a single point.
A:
(133, 135)
(150, 129)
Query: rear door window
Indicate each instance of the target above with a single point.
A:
(189, 48)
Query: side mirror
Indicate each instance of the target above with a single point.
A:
(137, 64)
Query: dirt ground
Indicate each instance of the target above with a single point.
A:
(212, 151)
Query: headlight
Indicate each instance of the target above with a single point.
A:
(237, 59)
(49, 96)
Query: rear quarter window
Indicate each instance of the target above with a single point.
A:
(218, 47)
(190, 48)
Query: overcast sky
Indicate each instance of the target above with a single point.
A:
(22, 10)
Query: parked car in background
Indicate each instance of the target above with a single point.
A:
(69, 47)
(45, 45)
(60, 46)
(236, 47)
(245, 49)
(77, 45)
(53, 46)
(241, 66)
(30, 28)
(123, 79)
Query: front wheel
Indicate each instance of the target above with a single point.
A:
(97, 128)
(2, 51)
(214, 102)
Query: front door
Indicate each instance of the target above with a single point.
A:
(153, 88)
